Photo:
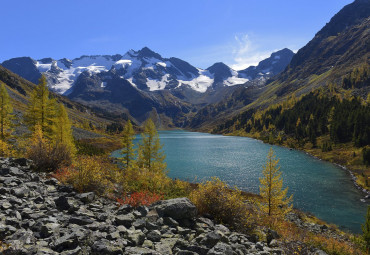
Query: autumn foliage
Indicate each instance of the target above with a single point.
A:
(136, 199)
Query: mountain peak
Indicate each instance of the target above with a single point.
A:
(148, 53)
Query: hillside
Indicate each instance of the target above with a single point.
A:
(19, 90)
(340, 48)
(143, 83)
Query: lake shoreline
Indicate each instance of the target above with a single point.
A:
(353, 177)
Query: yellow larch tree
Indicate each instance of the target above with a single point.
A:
(150, 152)
(63, 130)
(128, 150)
(6, 111)
(41, 109)
(275, 201)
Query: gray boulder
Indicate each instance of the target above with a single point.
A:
(178, 208)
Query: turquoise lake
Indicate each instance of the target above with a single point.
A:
(318, 187)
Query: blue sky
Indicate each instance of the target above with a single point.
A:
(202, 32)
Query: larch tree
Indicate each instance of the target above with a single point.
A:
(6, 111)
(41, 109)
(128, 150)
(150, 155)
(366, 229)
(63, 130)
(275, 201)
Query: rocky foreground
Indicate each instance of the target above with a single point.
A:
(39, 216)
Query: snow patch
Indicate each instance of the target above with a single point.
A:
(277, 57)
(234, 80)
(43, 67)
(103, 84)
(156, 84)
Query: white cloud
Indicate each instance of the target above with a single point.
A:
(246, 52)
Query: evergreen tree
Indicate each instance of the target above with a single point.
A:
(6, 111)
(150, 153)
(366, 229)
(128, 151)
(274, 198)
(41, 109)
(63, 130)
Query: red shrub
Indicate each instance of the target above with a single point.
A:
(140, 198)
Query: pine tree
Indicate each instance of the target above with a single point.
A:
(274, 198)
(63, 130)
(6, 111)
(150, 153)
(366, 229)
(41, 109)
(128, 151)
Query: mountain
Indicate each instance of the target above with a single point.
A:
(20, 89)
(269, 67)
(140, 83)
(337, 49)
(338, 52)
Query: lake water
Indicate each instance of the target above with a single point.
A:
(318, 187)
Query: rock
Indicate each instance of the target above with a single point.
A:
(154, 236)
(62, 203)
(163, 248)
(21, 192)
(81, 220)
(211, 239)
(140, 251)
(125, 220)
(178, 208)
(66, 242)
(271, 234)
(49, 229)
(86, 197)
(181, 252)
(16, 172)
(105, 247)
(139, 223)
(136, 237)
(22, 161)
(319, 252)
(221, 249)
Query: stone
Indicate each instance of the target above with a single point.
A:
(66, 242)
(140, 251)
(221, 249)
(86, 197)
(154, 236)
(139, 223)
(163, 248)
(211, 239)
(81, 220)
(271, 234)
(22, 161)
(21, 192)
(178, 208)
(62, 203)
(125, 220)
(49, 229)
(105, 247)
(182, 252)
(136, 237)
(16, 172)
(113, 236)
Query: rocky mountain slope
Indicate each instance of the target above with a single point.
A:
(143, 69)
(40, 216)
(337, 50)
(19, 91)
(143, 83)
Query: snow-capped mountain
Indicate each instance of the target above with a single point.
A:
(143, 69)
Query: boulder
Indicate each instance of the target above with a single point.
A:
(178, 208)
